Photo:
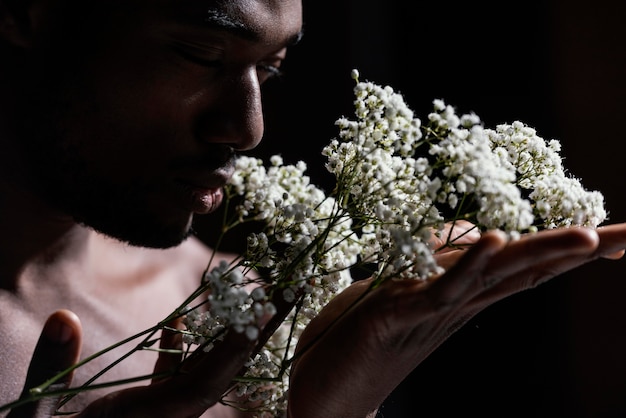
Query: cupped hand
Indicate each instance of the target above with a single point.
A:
(196, 386)
(57, 349)
(366, 341)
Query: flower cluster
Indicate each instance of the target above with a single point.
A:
(302, 253)
(399, 183)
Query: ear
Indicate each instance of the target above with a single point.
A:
(19, 20)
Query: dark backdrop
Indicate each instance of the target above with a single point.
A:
(558, 65)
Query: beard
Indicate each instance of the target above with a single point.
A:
(118, 209)
(120, 214)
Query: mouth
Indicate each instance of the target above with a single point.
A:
(204, 192)
(205, 201)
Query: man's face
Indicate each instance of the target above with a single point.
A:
(131, 109)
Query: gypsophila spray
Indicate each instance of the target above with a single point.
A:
(399, 181)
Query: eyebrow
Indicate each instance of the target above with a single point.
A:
(220, 20)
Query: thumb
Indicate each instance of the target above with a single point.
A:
(58, 348)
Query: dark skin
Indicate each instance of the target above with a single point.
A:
(118, 123)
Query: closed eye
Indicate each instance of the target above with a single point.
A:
(267, 72)
(213, 57)
(197, 60)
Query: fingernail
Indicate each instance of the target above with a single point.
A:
(614, 255)
(58, 331)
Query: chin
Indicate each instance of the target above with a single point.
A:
(161, 241)
(143, 233)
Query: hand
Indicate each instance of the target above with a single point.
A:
(58, 348)
(186, 394)
(352, 359)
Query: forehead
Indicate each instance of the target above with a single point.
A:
(271, 21)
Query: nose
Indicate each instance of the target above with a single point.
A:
(235, 116)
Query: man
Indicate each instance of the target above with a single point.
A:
(119, 121)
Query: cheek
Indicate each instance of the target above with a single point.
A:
(125, 111)
(129, 128)
(135, 101)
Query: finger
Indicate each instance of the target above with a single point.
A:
(283, 307)
(456, 286)
(170, 349)
(614, 256)
(532, 254)
(225, 361)
(187, 394)
(58, 348)
(535, 259)
(612, 238)
(458, 233)
(447, 259)
(612, 241)
(517, 265)
(200, 382)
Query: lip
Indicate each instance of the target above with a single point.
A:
(202, 193)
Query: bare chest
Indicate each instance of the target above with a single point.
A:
(108, 316)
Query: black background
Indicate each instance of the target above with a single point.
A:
(559, 66)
